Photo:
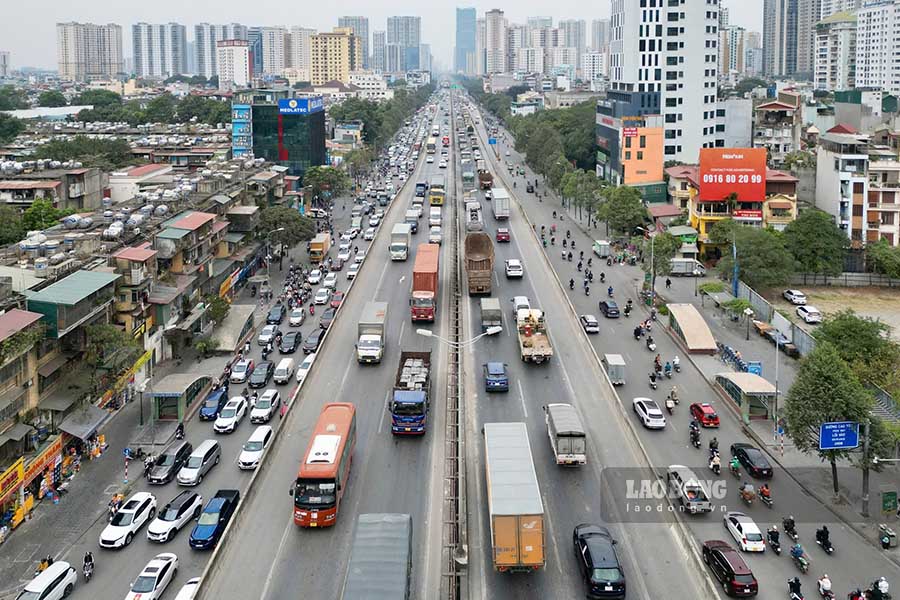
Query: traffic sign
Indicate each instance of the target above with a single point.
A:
(492, 141)
(841, 435)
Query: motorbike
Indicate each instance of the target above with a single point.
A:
(802, 562)
(571, 284)
(747, 496)
(653, 383)
(767, 500)
(695, 439)
(627, 311)
(670, 405)
(715, 467)
(132, 454)
(148, 465)
(775, 545)
(734, 470)
(825, 594)
(88, 570)
(790, 530)
(253, 291)
(564, 255)
(651, 345)
(677, 367)
(668, 372)
(825, 544)
(179, 432)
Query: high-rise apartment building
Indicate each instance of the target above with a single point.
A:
(5, 68)
(779, 37)
(480, 45)
(573, 34)
(835, 53)
(530, 60)
(539, 22)
(594, 65)
(298, 48)
(671, 50)
(160, 51)
(809, 13)
(206, 38)
(378, 48)
(360, 27)
(464, 52)
(599, 34)
(495, 41)
(274, 57)
(516, 41)
(393, 58)
(406, 32)
(254, 36)
(334, 56)
(85, 51)
(732, 52)
(425, 57)
(233, 64)
(878, 46)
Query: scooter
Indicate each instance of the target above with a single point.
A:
(747, 497)
(695, 439)
(767, 500)
(802, 563)
(825, 545)
(653, 383)
(825, 594)
(670, 405)
(734, 470)
(148, 465)
(651, 345)
(716, 468)
(88, 570)
(677, 367)
(774, 545)
(791, 532)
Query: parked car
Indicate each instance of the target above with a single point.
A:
(794, 296)
(276, 314)
(496, 377)
(729, 568)
(598, 561)
(753, 460)
(589, 323)
(231, 416)
(174, 516)
(262, 374)
(649, 413)
(705, 414)
(136, 512)
(152, 582)
(744, 531)
(809, 314)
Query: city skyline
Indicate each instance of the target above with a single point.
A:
(30, 36)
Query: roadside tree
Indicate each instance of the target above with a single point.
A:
(816, 243)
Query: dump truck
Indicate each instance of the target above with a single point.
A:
(423, 295)
(479, 254)
(534, 343)
(380, 565)
(370, 333)
(515, 507)
(500, 203)
(319, 247)
(411, 394)
(400, 241)
(485, 179)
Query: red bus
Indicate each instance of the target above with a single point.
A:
(325, 469)
(446, 140)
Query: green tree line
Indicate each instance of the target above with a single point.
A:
(382, 119)
(166, 108)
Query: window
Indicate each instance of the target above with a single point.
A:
(628, 156)
(640, 155)
(628, 142)
(642, 141)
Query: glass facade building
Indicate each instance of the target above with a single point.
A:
(295, 141)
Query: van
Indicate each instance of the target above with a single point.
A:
(57, 581)
(198, 464)
(170, 460)
(434, 216)
(284, 371)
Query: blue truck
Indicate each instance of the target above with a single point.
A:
(411, 394)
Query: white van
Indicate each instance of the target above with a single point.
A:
(434, 216)
(56, 582)
(284, 371)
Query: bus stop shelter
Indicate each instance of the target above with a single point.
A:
(173, 395)
(690, 327)
(754, 395)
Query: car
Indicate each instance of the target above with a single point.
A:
(240, 371)
(276, 314)
(529, 188)
(312, 341)
(744, 531)
(705, 414)
(496, 377)
(353, 231)
(173, 516)
(166, 464)
(55, 582)
(214, 519)
(369, 234)
(442, 164)
(155, 578)
(265, 406)
(429, 159)
(290, 342)
(267, 334)
(327, 318)
(314, 277)
(215, 401)
(520, 303)
(610, 309)
(254, 447)
(514, 268)
(352, 270)
(589, 323)
(753, 460)
(330, 281)
(231, 415)
(323, 295)
(360, 256)
(598, 561)
(189, 590)
(794, 296)
(305, 366)
(809, 314)
(502, 234)
(373, 221)
(261, 374)
(136, 512)
(434, 235)
(649, 413)
(336, 299)
(298, 316)
(342, 257)
(729, 568)
(346, 237)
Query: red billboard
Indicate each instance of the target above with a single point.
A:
(724, 171)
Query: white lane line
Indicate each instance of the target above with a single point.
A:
(522, 398)
(400, 337)
(384, 412)
(556, 558)
(276, 563)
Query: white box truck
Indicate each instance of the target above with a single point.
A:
(400, 241)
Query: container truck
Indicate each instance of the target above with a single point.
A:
(319, 247)
(534, 343)
(380, 565)
(400, 241)
(500, 203)
(515, 508)
(410, 396)
(479, 254)
(370, 333)
(423, 296)
(687, 267)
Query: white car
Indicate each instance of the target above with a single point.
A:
(267, 334)
(185, 507)
(331, 279)
(352, 270)
(429, 159)
(314, 277)
(240, 371)
(519, 303)
(253, 448)
(346, 237)
(298, 315)
(794, 296)
(442, 164)
(231, 416)
(434, 235)
(343, 256)
(305, 366)
(322, 296)
(514, 268)
(402, 177)
(369, 235)
(189, 590)
(373, 221)
(352, 232)
(649, 413)
(137, 511)
(360, 256)
(265, 406)
(590, 323)
(810, 314)
(155, 578)
(745, 532)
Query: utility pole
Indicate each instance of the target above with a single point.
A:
(865, 473)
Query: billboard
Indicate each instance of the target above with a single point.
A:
(300, 106)
(724, 171)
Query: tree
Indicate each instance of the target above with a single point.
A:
(623, 210)
(665, 246)
(10, 127)
(97, 98)
(763, 260)
(326, 181)
(816, 243)
(749, 84)
(799, 159)
(101, 153)
(161, 109)
(52, 99)
(42, 215)
(825, 390)
(358, 162)
(297, 228)
(109, 349)
(883, 258)
(11, 228)
(12, 98)
(217, 308)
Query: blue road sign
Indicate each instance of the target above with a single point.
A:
(842, 435)
(492, 141)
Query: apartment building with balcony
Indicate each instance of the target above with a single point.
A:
(21, 193)
(79, 189)
(883, 209)
(777, 125)
(842, 182)
(137, 266)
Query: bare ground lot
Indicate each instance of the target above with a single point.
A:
(874, 302)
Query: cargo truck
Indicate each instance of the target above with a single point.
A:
(534, 343)
(485, 179)
(500, 203)
(412, 219)
(421, 189)
(566, 434)
(423, 296)
(380, 565)
(468, 174)
(479, 255)
(687, 267)
(601, 248)
(491, 314)
(410, 397)
(400, 241)
(370, 333)
(319, 247)
(474, 218)
(515, 508)
(437, 190)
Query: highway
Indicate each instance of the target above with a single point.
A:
(855, 563)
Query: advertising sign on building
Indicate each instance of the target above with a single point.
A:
(724, 171)
(301, 106)
(241, 130)
(629, 132)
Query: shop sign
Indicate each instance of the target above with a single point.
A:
(629, 132)
(748, 214)
(49, 456)
(139, 330)
(126, 377)
(12, 479)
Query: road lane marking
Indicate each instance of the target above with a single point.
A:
(522, 398)
(384, 412)
(275, 563)
(400, 337)
(556, 557)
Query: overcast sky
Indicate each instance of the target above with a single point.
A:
(28, 31)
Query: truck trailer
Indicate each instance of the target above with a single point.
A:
(423, 295)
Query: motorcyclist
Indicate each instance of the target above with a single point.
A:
(676, 362)
(179, 431)
(637, 332)
(650, 341)
(568, 233)
(565, 243)
(570, 256)
(747, 490)
(824, 585)
(554, 214)
(673, 394)
(668, 369)
(735, 464)
(694, 425)
(714, 444)
(602, 274)
(571, 284)
(765, 492)
(695, 436)
(788, 524)
(773, 535)
(653, 378)
(715, 463)
(797, 551)
(822, 536)
(794, 585)
(880, 589)
(609, 291)
(88, 563)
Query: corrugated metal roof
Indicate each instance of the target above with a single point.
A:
(234, 238)
(23, 184)
(193, 220)
(15, 320)
(512, 481)
(135, 253)
(73, 289)
(172, 233)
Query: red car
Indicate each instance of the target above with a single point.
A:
(502, 234)
(705, 414)
(336, 299)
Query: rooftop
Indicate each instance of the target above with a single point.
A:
(664, 210)
(145, 170)
(15, 320)
(242, 210)
(73, 289)
(138, 253)
(29, 184)
(843, 128)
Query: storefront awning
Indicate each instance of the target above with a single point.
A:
(58, 402)
(53, 366)
(83, 423)
(780, 204)
(17, 432)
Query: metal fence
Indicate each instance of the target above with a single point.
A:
(846, 280)
(764, 311)
(761, 307)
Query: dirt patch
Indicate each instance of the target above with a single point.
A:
(873, 302)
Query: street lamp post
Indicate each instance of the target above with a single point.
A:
(652, 267)
(269, 251)
(430, 334)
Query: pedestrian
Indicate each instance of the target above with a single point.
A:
(668, 283)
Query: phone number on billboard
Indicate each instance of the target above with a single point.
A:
(719, 178)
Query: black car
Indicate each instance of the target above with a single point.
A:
(753, 460)
(170, 460)
(261, 374)
(327, 317)
(276, 315)
(729, 567)
(610, 309)
(312, 341)
(290, 342)
(595, 551)
(529, 188)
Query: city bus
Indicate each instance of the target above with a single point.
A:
(431, 145)
(325, 470)
(437, 190)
